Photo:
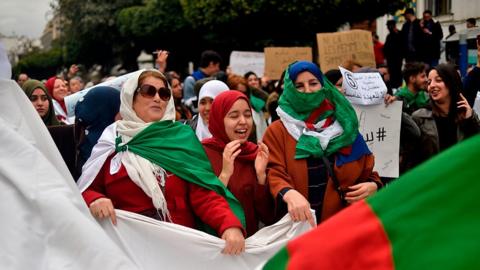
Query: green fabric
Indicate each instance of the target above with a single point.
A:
(28, 87)
(278, 261)
(257, 103)
(431, 214)
(174, 147)
(300, 105)
(417, 101)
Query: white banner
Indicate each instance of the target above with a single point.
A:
(154, 245)
(243, 62)
(363, 88)
(380, 127)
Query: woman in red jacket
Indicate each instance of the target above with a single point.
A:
(140, 166)
(239, 164)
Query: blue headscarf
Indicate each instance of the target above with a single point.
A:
(301, 66)
(95, 111)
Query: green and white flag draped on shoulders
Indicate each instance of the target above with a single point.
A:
(427, 219)
(170, 145)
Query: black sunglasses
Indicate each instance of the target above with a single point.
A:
(150, 91)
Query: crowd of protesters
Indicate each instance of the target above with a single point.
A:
(233, 152)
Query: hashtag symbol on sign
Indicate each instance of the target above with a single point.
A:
(381, 134)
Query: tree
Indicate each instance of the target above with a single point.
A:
(90, 32)
(116, 31)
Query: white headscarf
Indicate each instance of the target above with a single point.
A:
(142, 172)
(210, 89)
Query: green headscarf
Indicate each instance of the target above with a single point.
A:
(301, 105)
(28, 87)
(174, 147)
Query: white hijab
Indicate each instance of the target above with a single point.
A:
(142, 172)
(210, 89)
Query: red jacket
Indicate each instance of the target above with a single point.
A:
(184, 200)
(256, 200)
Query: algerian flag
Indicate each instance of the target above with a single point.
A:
(427, 219)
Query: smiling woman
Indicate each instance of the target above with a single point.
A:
(140, 166)
(449, 118)
(239, 164)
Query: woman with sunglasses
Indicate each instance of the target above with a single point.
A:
(41, 101)
(318, 159)
(143, 168)
(240, 165)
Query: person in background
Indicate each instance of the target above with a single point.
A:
(182, 113)
(76, 84)
(240, 165)
(451, 51)
(252, 80)
(471, 23)
(93, 113)
(378, 50)
(41, 100)
(272, 100)
(22, 78)
(413, 93)
(161, 170)
(58, 91)
(335, 77)
(318, 159)
(394, 54)
(209, 64)
(208, 92)
(449, 119)
(471, 82)
(432, 35)
(411, 36)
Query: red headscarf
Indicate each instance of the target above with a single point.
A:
(220, 107)
(50, 84)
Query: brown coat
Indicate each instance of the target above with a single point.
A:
(286, 171)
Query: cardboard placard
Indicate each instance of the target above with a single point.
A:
(336, 48)
(243, 62)
(277, 59)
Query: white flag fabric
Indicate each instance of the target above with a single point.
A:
(47, 225)
(153, 244)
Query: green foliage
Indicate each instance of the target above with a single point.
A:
(105, 32)
(40, 64)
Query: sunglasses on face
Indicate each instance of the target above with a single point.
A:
(149, 91)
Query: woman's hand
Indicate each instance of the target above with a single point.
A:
(234, 241)
(360, 191)
(103, 208)
(261, 162)
(388, 99)
(465, 110)
(298, 207)
(230, 152)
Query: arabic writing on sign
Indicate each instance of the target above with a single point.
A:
(363, 88)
